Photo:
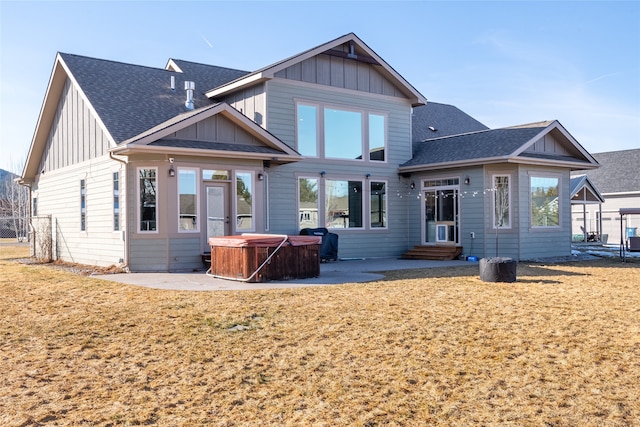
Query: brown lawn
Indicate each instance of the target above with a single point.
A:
(560, 347)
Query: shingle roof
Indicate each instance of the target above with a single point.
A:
(216, 146)
(475, 145)
(130, 99)
(619, 171)
(435, 120)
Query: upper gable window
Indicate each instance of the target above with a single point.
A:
(340, 133)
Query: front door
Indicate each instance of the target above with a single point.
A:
(217, 205)
(441, 216)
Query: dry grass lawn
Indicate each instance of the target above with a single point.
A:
(560, 347)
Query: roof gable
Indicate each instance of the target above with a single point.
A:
(197, 133)
(511, 144)
(356, 50)
(583, 190)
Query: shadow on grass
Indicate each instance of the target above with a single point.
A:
(527, 272)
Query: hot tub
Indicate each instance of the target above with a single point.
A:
(265, 257)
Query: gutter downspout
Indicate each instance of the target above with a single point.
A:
(125, 238)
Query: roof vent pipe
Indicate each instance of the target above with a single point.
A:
(173, 83)
(189, 87)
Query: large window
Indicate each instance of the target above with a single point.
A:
(308, 202)
(83, 205)
(343, 204)
(188, 199)
(501, 202)
(545, 206)
(308, 130)
(116, 201)
(244, 201)
(340, 133)
(147, 197)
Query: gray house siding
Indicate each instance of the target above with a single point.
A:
(250, 102)
(501, 242)
(365, 242)
(75, 136)
(544, 242)
(58, 195)
(216, 129)
(168, 249)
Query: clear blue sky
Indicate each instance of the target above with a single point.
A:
(504, 63)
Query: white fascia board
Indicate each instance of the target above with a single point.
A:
(236, 84)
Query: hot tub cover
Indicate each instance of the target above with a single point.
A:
(263, 240)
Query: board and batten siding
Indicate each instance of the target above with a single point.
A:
(58, 195)
(75, 136)
(341, 73)
(216, 129)
(250, 102)
(281, 99)
(544, 242)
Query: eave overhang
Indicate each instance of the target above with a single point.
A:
(495, 160)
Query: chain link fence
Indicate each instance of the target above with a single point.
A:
(12, 227)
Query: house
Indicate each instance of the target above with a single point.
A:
(618, 181)
(139, 166)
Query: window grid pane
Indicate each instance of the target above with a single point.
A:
(308, 203)
(544, 202)
(147, 194)
(187, 199)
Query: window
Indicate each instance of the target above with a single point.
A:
(378, 205)
(545, 202)
(209, 175)
(116, 201)
(343, 204)
(187, 200)
(376, 137)
(307, 130)
(340, 133)
(244, 201)
(83, 205)
(147, 199)
(501, 202)
(308, 202)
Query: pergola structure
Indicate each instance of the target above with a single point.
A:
(584, 193)
(625, 212)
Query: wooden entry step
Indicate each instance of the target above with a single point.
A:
(437, 253)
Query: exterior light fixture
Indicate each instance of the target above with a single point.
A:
(412, 186)
(260, 177)
(467, 180)
(172, 171)
(323, 173)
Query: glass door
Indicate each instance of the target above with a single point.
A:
(217, 212)
(441, 216)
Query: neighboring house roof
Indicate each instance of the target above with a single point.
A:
(360, 51)
(619, 171)
(435, 120)
(508, 144)
(584, 191)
